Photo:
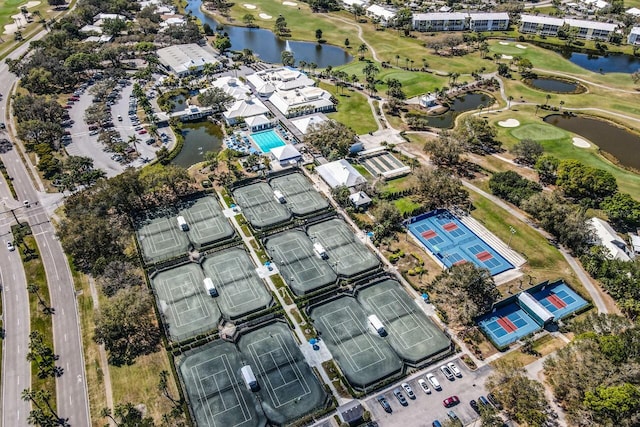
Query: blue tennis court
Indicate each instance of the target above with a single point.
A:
(267, 140)
(559, 299)
(452, 242)
(507, 324)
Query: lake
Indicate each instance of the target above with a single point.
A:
(265, 45)
(199, 137)
(606, 64)
(554, 85)
(460, 104)
(618, 142)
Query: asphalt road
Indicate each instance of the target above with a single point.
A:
(72, 398)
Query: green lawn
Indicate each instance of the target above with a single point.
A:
(539, 132)
(397, 184)
(406, 205)
(363, 171)
(353, 110)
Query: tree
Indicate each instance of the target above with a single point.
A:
(512, 187)
(113, 26)
(523, 399)
(547, 168)
(357, 11)
(119, 275)
(464, 292)
(587, 184)
(287, 58)
(42, 412)
(436, 188)
(445, 150)
(614, 405)
(622, 210)
(318, 35)
(127, 415)
(347, 43)
(478, 135)
(331, 138)
(125, 324)
(388, 220)
(56, 2)
(43, 357)
(35, 290)
(215, 98)
(362, 49)
(527, 151)
(222, 43)
(341, 195)
(249, 19)
(635, 76)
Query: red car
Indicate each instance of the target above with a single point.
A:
(142, 132)
(67, 107)
(450, 401)
(73, 98)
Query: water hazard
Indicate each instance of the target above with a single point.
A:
(460, 104)
(199, 137)
(618, 142)
(266, 46)
(555, 85)
(605, 64)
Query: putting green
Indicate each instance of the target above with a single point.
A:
(539, 132)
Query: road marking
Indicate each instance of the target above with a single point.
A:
(65, 337)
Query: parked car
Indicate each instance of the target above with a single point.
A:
(454, 369)
(407, 388)
(67, 107)
(2, 125)
(138, 128)
(434, 382)
(27, 203)
(494, 401)
(436, 423)
(398, 394)
(450, 401)
(483, 401)
(10, 246)
(452, 415)
(142, 132)
(447, 372)
(94, 132)
(474, 406)
(385, 405)
(424, 386)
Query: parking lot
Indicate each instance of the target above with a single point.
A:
(428, 407)
(83, 143)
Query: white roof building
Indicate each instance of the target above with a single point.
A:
(260, 122)
(285, 154)
(91, 29)
(103, 16)
(340, 173)
(298, 102)
(635, 242)
(634, 36)
(350, 3)
(182, 59)
(546, 25)
(607, 237)
(633, 11)
(304, 123)
(243, 109)
(233, 87)
(385, 15)
(360, 199)
(168, 20)
(268, 81)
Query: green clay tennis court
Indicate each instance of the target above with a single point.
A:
(161, 239)
(241, 291)
(412, 335)
(207, 224)
(364, 357)
(260, 206)
(186, 307)
(347, 256)
(303, 270)
(301, 198)
(219, 397)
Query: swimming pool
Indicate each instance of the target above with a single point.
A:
(267, 140)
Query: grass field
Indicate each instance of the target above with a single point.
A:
(544, 345)
(41, 322)
(353, 110)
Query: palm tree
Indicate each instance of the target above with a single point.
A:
(134, 140)
(302, 64)
(509, 99)
(561, 104)
(548, 97)
(397, 60)
(313, 66)
(362, 49)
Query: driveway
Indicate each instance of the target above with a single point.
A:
(426, 408)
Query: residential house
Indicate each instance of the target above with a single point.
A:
(454, 21)
(385, 16)
(634, 36)
(488, 21)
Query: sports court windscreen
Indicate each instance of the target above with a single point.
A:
(449, 240)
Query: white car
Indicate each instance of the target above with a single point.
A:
(407, 388)
(454, 369)
(434, 382)
(10, 246)
(423, 385)
(447, 372)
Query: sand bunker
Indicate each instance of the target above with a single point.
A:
(249, 6)
(509, 123)
(579, 142)
(504, 43)
(31, 4)
(519, 46)
(265, 16)
(289, 3)
(507, 57)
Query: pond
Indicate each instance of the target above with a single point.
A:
(613, 63)
(460, 104)
(618, 142)
(199, 137)
(554, 85)
(178, 103)
(266, 46)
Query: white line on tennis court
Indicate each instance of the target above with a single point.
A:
(233, 278)
(191, 295)
(271, 389)
(352, 322)
(202, 395)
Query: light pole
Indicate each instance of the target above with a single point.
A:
(513, 231)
